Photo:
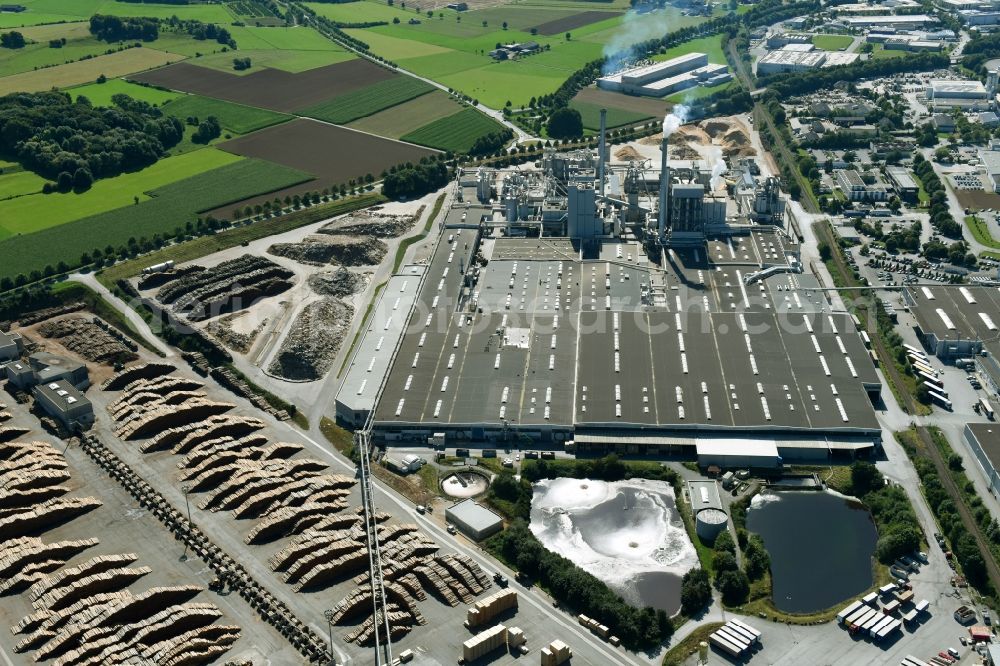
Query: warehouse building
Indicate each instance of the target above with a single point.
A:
(473, 519)
(63, 402)
(897, 22)
(776, 62)
(954, 322)
(960, 93)
(979, 16)
(984, 440)
(663, 78)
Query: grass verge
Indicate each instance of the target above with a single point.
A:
(341, 438)
(679, 653)
(981, 232)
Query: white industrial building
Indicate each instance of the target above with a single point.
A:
(897, 22)
(990, 164)
(964, 94)
(979, 16)
(663, 78)
(777, 62)
(854, 187)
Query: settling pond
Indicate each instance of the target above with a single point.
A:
(627, 533)
(821, 546)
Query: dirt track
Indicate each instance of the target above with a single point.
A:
(269, 88)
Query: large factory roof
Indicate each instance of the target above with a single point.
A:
(374, 352)
(950, 87)
(968, 312)
(566, 343)
(782, 57)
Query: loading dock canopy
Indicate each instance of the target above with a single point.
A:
(737, 452)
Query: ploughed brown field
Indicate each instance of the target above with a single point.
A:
(333, 154)
(573, 22)
(269, 88)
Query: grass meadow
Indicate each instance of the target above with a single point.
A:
(236, 117)
(171, 206)
(368, 100)
(100, 94)
(456, 133)
(35, 212)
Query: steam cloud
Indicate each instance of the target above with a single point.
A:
(635, 28)
(718, 165)
(673, 120)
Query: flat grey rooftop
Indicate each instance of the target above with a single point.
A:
(543, 340)
(388, 320)
(968, 312)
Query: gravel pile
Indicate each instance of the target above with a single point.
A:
(339, 283)
(344, 250)
(314, 341)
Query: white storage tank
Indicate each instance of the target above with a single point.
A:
(709, 523)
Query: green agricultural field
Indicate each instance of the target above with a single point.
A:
(236, 117)
(18, 183)
(34, 212)
(289, 49)
(67, 31)
(100, 94)
(39, 54)
(456, 133)
(712, 46)
(591, 115)
(172, 206)
(368, 100)
(407, 117)
(453, 49)
(361, 12)
(288, 61)
(54, 11)
(832, 42)
(114, 65)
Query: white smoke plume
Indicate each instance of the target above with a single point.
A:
(673, 120)
(714, 154)
(635, 27)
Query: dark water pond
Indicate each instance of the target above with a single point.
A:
(821, 546)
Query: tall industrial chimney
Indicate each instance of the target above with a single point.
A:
(602, 150)
(664, 184)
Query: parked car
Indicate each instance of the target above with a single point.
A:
(451, 529)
